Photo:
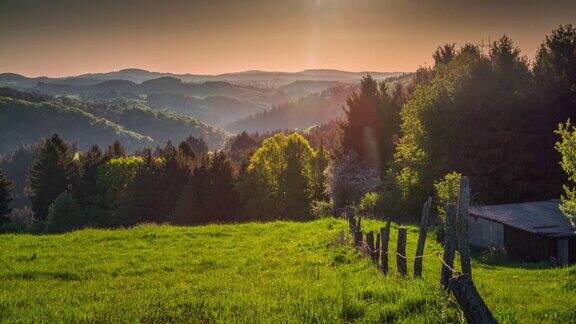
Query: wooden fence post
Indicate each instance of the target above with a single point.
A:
(401, 252)
(358, 233)
(422, 238)
(473, 307)
(370, 243)
(385, 237)
(351, 221)
(449, 245)
(376, 254)
(463, 204)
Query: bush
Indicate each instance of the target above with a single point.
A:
(321, 208)
(369, 204)
(64, 214)
(447, 191)
(494, 255)
(349, 179)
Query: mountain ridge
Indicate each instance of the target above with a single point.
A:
(140, 75)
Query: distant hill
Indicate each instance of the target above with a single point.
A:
(25, 122)
(310, 110)
(248, 98)
(158, 125)
(161, 85)
(27, 118)
(214, 110)
(254, 77)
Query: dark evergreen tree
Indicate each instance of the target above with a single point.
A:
(53, 171)
(175, 173)
(198, 145)
(16, 167)
(5, 198)
(116, 150)
(64, 214)
(242, 147)
(186, 150)
(444, 54)
(145, 191)
(85, 188)
(242, 142)
(371, 124)
(210, 195)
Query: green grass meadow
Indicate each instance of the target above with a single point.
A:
(254, 272)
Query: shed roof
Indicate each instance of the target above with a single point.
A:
(541, 217)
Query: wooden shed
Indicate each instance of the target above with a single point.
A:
(531, 231)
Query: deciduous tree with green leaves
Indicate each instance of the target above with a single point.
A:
(567, 148)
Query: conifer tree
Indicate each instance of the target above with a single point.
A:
(185, 149)
(85, 188)
(116, 150)
(145, 193)
(174, 176)
(5, 198)
(198, 145)
(64, 214)
(371, 124)
(210, 195)
(53, 171)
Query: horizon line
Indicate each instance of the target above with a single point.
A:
(202, 74)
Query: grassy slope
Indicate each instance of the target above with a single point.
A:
(250, 272)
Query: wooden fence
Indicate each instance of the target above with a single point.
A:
(460, 284)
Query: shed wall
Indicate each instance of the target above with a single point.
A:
(484, 233)
(528, 246)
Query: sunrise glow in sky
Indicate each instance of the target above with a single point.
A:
(68, 37)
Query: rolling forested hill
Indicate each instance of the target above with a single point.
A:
(27, 118)
(214, 110)
(25, 122)
(158, 125)
(310, 110)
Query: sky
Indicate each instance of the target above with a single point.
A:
(70, 37)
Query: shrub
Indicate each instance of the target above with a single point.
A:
(494, 255)
(369, 204)
(321, 208)
(64, 214)
(447, 191)
(22, 220)
(349, 179)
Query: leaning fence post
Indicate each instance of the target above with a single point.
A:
(463, 204)
(351, 221)
(385, 237)
(370, 243)
(449, 245)
(401, 252)
(422, 238)
(473, 307)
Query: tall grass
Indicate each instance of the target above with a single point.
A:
(271, 272)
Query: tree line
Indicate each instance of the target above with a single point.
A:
(277, 176)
